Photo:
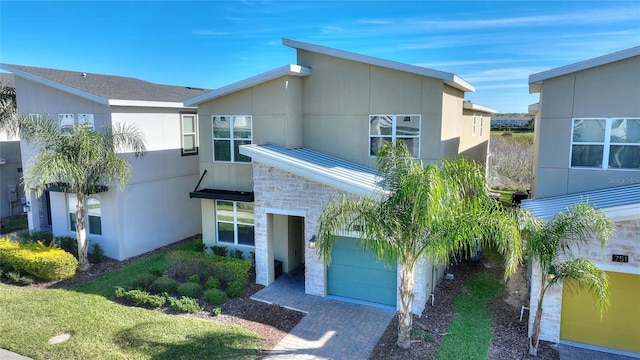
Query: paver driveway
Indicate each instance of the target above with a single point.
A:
(331, 329)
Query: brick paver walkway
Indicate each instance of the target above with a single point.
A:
(331, 329)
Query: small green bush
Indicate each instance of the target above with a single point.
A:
(16, 278)
(212, 283)
(190, 289)
(219, 250)
(216, 311)
(235, 289)
(33, 236)
(164, 284)
(194, 279)
(68, 244)
(97, 254)
(44, 262)
(215, 296)
(199, 246)
(186, 304)
(155, 271)
(143, 281)
(236, 254)
(186, 263)
(141, 297)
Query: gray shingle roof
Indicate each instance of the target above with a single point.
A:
(111, 87)
(8, 80)
(627, 196)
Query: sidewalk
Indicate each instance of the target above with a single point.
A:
(8, 355)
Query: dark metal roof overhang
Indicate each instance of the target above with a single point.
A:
(220, 194)
(64, 187)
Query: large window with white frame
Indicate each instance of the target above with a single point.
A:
(92, 209)
(392, 128)
(235, 221)
(229, 132)
(189, 124)
(68, 121)
(606, 143)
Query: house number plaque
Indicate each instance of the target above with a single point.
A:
(620, 258)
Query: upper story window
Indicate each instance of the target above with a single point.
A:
(392, 128)
(229, 132)
(93, 211)
(473, 126)
(481, 125)
(235, 220)
(68, 121)
(606, 143)
(189, 134)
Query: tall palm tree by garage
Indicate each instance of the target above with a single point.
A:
(549, 247)
(431, 211)
(82, 159)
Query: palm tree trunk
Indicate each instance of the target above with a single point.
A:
(81, 235)
(405, 317)
(535, 331)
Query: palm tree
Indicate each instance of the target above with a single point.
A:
(82, 159)
(549, 247)
(431, 211)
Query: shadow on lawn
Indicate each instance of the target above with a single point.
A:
(150, 339)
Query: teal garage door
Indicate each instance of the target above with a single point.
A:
(357, 274)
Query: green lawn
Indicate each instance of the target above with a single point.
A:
(469, 333)
(102, 329)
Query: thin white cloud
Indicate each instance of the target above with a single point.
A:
(504, 74)
(445, 64)
(209, 32)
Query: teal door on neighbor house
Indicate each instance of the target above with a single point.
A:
(357, 274)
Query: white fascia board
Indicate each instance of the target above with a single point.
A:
(477, 107)
(308, 173)
(144, 103)
(450, 79)
(291, 69)
(55, 85)
(583, 65)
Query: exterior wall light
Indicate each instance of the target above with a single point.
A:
(26, 207)
(312, 242)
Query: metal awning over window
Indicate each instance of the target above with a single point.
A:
(219, 194)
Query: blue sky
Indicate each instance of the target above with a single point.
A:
(495, 45)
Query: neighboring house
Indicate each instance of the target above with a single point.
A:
(277, 146)
(11, 191)
(587, 148)
(511, 121)
(153, 210)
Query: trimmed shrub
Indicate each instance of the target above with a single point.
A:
(236, 254)
(190, 289)
(235, 289)
(219, 250)
(194, 279)
(44, 262)
(33, 236)
(97, 254)
(186, 304)
(215, 296)
(68, 244)
(216, 311)
(199, 246)
(143, 281)
(164, 284)
(141, 297)
(212, 283)
(187, 263)
(16, 278)
(155, 271)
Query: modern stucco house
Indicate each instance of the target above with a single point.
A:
(587, 148)
(11, 192)
(154, 209)
(274, 148)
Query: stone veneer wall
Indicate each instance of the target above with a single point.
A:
(625, 241)
(286, 193)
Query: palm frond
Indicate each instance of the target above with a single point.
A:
(578, 274)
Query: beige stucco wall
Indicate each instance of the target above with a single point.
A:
(339, 96)
(475, 144)
(605, 91)
(625, 241)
